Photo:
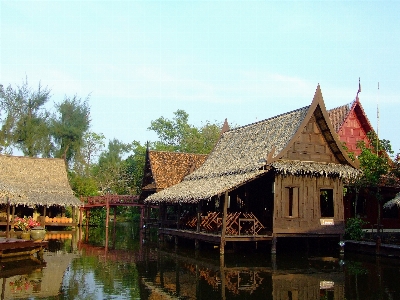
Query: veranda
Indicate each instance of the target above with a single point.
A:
(204, 221)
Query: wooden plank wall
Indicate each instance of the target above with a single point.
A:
(309, 212)
(310, 145)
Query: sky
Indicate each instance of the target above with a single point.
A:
(241, 60)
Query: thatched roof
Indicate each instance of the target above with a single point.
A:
(338, 115)
(394, 202)
(245, 153)
(306, 168)
(35, 181)
(164, 169)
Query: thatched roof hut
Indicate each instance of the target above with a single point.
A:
(35, 181)
(247, 152)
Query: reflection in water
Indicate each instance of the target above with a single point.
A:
(187, 277)
(118, 266)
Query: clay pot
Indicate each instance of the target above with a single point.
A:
(38, 233)
(26, 235)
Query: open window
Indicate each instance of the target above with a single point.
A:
(292, 202)
(326, 203)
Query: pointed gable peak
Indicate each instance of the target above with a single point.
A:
(318, 95)
(225, 127)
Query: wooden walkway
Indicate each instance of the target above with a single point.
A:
(109, 201)
(213, 238)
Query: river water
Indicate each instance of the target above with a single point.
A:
(79, 266)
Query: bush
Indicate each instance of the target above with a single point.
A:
(353, 230)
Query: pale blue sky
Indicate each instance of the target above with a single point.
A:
(241, 60)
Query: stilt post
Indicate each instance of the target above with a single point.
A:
(108, 211)
(224, 215)
(198, 216)
(273, 244)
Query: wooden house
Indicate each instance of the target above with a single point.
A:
(352, 125)
(40, 183)
(280, 177)
(164, 169)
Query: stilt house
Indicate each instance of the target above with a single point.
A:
(39, 183)
(280, 177)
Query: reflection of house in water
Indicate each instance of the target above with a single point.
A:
(308, 286)
(177, 276)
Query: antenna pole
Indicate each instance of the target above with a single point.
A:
(377, 121)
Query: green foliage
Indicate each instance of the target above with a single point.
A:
(353, 230)
(178, 135)
(82, 186)
(110, 172)
(374, 161)
(26, 121)
(93, 144)
(97, 217)
(69, 126)
(135, 167)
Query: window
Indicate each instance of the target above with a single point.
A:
(292, 196)
(326, 203)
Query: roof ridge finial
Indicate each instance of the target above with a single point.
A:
(225, 127)
(359, 89)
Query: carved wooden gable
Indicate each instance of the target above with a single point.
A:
(311, 145)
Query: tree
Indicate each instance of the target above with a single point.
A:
(26, 121)
(135, 167)
(110, 170)
(178, 135)
(69, 126)
(375, 164)
(82, 186)
(93, 144)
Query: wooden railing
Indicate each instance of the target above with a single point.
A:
(237, 223)
(112, 200)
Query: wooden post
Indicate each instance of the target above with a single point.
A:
(224, 215)
(222, 272)
(8, 219)
(12, 213)
(80, 216)
(178, 216)
(44, 213)
(198, 216)
(142, 214)
(273, 244)
(87, 217)
(108, 212)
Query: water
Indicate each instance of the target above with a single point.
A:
(82, 268)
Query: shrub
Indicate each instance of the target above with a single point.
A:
(353, 230)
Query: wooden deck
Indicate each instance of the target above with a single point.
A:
(10, 247)
(212, 238)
